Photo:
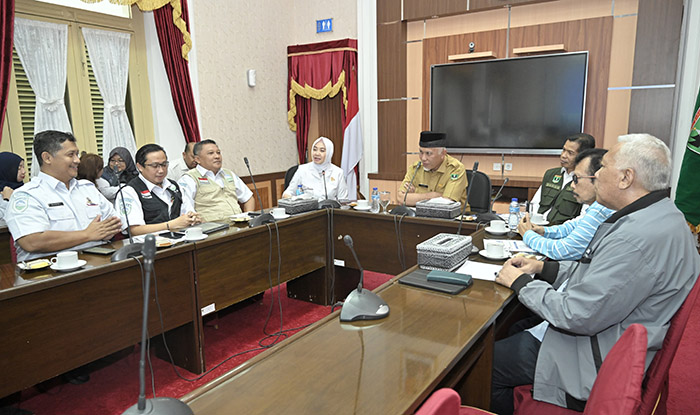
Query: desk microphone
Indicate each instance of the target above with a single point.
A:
(327, 203)
(403, 209)
(362, 304)
(263, 217)
(155, 406)
(489, 216)
(469, 190)
(132, 249)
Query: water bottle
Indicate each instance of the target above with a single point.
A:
(375, 201)
(300, 190)
(513, 214)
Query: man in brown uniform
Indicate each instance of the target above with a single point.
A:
(436, 174)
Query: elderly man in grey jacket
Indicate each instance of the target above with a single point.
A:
(639, 268)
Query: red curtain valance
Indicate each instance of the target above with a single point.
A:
(317, 70)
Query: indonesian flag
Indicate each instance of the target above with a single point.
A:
(352, 137)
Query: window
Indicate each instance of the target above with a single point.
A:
(82, 97)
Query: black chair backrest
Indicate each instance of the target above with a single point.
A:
(480, 196)
(289, 175)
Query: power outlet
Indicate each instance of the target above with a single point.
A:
(509, 166)
(497, 166)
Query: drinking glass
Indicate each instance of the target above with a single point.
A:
(384, 197)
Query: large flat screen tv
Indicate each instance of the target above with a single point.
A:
(514, 106)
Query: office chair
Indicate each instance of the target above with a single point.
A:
(480, 195)
(289, 175)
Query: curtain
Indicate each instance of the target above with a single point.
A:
(109, 56)
(42, 49)
(7, 21)
(171, 41)
(317, 71)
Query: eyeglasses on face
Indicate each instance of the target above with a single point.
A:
(119, 161)
(575, 178)
(155, 166)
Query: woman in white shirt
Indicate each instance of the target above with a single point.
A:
(313, 174)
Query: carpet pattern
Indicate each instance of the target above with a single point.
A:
(113, 386)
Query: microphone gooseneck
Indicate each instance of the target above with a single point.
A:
(348, 241)
(263, 217)
(403, 209)
(325, 189)
(498, 193)
(133, 249)
(466, 201)
(405, 195)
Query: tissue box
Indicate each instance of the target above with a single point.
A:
(298, 204)
(438, 209)
(444, 251)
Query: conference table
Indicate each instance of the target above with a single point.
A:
(54, 322)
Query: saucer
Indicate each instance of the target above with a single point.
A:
(543, 223)
(362, 208)
(485, 255)
(242, 217)
(495, 232)
(81, 263)
(204, 236)
(34, 265)
(285, 216)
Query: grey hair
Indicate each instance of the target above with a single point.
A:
(648, 156)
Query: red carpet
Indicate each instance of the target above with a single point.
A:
(114, 387)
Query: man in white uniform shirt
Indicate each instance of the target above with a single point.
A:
(152, 203)
(214, 191)
(55, 211)
(179, 167)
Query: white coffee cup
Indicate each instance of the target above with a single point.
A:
(498, 225)
(278, 212)
(65, 259)
(537, 218)
(193, 233)
(363, 203)
(495, 249)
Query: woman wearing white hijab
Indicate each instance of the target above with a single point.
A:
(312, 175)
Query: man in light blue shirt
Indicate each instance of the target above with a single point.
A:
(569, 240)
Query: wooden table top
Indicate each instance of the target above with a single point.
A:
(383, 367)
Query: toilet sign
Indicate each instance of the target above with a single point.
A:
(325, 25)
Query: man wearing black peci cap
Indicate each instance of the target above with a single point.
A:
(438, 175)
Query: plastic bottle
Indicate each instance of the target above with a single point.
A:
(513, 214)
(300, 190)
(375, 201)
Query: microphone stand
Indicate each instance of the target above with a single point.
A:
(361, 304)
(469, 190)
(327, 203)
(155, 406)
(132, 249)
(498, 194)
(263, 217)
(403, 209)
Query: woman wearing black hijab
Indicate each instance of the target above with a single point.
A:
(11, 177)
(120, 167)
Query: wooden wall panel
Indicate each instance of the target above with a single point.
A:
(592, 35)
(436, 50)
(655, 63)
(392, 140)
(388, 11)
(427, 9)
(651, 111)
(480, 5)
(266, 186)
(391, 60)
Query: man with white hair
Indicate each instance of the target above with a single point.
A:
(639, 268)
(436, 174)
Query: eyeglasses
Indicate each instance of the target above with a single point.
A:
(120, 161)
(575, 178)
(155, 166)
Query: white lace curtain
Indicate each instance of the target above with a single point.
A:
(109, 55)
(42, 49)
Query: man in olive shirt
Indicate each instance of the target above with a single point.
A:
(555, 198)
(436, 174)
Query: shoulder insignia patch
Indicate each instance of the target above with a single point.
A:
(20, 204)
